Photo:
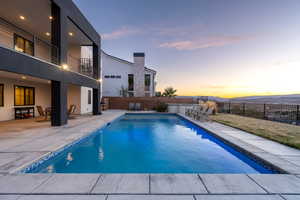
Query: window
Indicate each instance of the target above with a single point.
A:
(147, 82)
(1, 95)
(130, 82)
(24, 96)
(89, 97)
(23, 45)
(112, 76)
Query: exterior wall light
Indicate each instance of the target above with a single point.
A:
(22, 17)
(65, 67)
(48, 34)
(71, 34)
(50, 17)
(99, 80)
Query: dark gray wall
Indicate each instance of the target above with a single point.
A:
(69, 9)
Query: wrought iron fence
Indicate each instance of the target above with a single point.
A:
(286, 113)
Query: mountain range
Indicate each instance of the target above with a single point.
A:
(280, 99)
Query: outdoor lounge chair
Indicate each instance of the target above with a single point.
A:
(131, 106)
(204, 115)
(138, 106)
(41, 111)
(71, 110)
(135, 106)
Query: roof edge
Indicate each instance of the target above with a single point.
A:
(127, 62)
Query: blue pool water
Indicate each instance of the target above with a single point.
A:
(151, 143)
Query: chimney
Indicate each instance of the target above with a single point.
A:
(139, 74)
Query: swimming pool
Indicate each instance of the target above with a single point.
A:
(150, 143)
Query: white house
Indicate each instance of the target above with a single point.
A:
(119, 75)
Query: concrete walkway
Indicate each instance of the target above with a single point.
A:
(20, 149)
(34, 141)
(150, 186)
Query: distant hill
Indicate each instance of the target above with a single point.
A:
(280, 99)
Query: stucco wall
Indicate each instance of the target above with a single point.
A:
(111, 86)
(139, 76)
(42, 96)
(74, 97)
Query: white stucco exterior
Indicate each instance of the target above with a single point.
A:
(42, 96)
(77, 95)
(115, 76)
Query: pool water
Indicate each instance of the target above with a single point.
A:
(151, 143)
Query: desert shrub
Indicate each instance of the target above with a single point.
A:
(161, 107)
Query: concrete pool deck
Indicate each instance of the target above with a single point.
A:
(20, 149)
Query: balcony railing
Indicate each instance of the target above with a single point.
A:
(86, 67)
(41, 49)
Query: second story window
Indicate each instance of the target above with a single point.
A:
(130, 82)
(147, 82)
(24, 96)
(23, 45)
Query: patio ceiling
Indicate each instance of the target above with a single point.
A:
(22, 77)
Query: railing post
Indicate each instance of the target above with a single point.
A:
(298, 114)
(229, 105)
(264, 117)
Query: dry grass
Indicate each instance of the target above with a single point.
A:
(283, 133)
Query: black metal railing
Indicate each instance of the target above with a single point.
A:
(86, 67)
(287, 113)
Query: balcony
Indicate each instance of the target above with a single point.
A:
(16, 38)
(33, 34)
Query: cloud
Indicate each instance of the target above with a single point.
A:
(202, 43)
(120, 33)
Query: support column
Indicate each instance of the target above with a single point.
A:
(55, 34)
(59, 101)
(96, 75)
(96, 102)
(59, 34)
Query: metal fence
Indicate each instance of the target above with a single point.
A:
(286, 113)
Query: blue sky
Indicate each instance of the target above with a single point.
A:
(206, 47)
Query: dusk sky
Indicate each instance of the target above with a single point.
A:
(224, 48)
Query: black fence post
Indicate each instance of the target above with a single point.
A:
(264, 117)
(298, 114)
(229, 109)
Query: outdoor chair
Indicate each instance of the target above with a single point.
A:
(204, 116)
(71, 111)
(40, 111)
(138, 106)
(131, 106)
(43, 113)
